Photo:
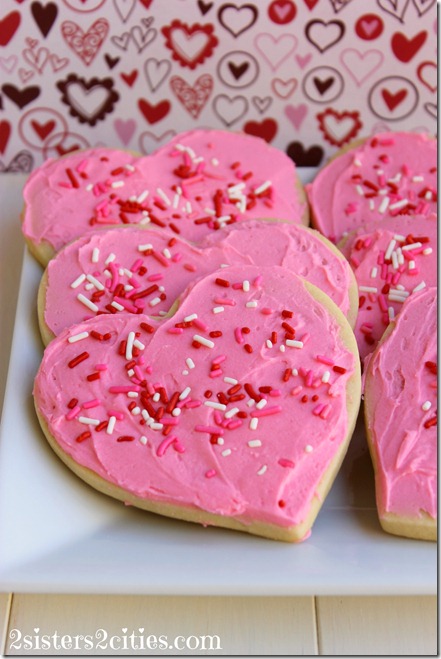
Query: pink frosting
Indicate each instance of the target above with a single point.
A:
(402, 399)
(258, 371)
(390, 260)
(198, 182)
(391, 172)
(157, 266)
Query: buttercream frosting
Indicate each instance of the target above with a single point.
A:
(391, 260)
(390, 173)
(236, 405)
(146, 270)
(401, 403)
(198, 182)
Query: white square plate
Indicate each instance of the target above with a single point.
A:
(58, 535)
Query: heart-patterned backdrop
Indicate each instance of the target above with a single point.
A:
(306, 75)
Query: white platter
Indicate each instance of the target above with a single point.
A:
(57, 535)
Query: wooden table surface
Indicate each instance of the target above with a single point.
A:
(319, 625)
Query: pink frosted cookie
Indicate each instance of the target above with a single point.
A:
(145, 270)
(235, 412)
(390, 260)
(401, 419)
(390, 173)
(197, 183)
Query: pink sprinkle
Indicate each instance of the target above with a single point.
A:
(266, 411)
(190, 267)
(317, 383)
(91, 403)
(162, 260)
(176, 257)
(138, 373)
(283, 462)
(237, 286)
(396, 278)
(211, 430)
(175, 330)
(218, 417)
(178, 447)
(82, 165)
(73, 412)
(163, 446)
(324, 360)
(266, 311)
(296, 390)
(305, 338)
(367, 243)
(380, 260)
(119, 416)
(200, 324)
(326, 411)
(155, 277)
(355, 261)
(275, 393)
(138, 263)
(225, 301)
(309, 378)
(124, 389)
(191, 404)
(405, 170)
(216, 373)
(64, 184)
(387, 141)
(383, 273)
(258, 280)
(232, 425)
(219, 359)
(101, 367)
(238, 335)
(169, 421)
(318, 409)
(210, 473)
(126, 304)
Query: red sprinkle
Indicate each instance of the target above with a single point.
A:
(125, 438)
(339, 369)
(78, 359)
(222, 282)
(84, 435)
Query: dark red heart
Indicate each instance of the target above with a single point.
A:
(154, 113)
(8, 27)
(405, 49)
(393, 100)
(5, 133)
(304, 157)
(44, 16)
(21, 97)
(265, 129)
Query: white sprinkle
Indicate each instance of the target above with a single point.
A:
(419, 287)
(231, 413)
(184, 393)
(155, 301)
(368, 289)
(391, 313)
(214, 162)
(383, 192)
(246, 285)
(176, 200)
(374, 272)
(411, 246)
(95, 255)
(417, 179)
(396, 298)
(261, 404)
(395, 263)
(252, 304)
(400, 256)
(220, 441)
(138, 344)
(156, 397)
(360, 190)
(262, 187)
(143, 248)
(282, 348)
(156, 426)
(88, 421)
(411, 265)
(308, 448)
(146, 219)
(399, 238)
(130, 167)
(384, 204)
(117, 306)
(427, 251)
(400, 287)
(110, 258)
(176, 411)
(269, 344)
(293, 343)
(191, 317)
(87, 303)
(262, 470)
(399, 204)
(78, 337)
(143, 440)
(326, 375)
(111, 425)
(399, 291)
(254, 423)
(357, 162)
(190, 363)
(226, 452)
(132, 394)
(163, 196)
(218, 309)
(167, 253)
(214, 405)
(224, 265)
(429, 195)
(371, 205)
(89, 187)
(426, 406)
(117, 184)
(129, 345)
(136, 411)
(131, 373)
(184, 372)
(89, 287)
(93, 280)
(230, 380)
(203, 341)
(145, 415)
(78, 281)
(224, 218)
(142, 197)
(253, 443)
(390, 249)
(209, 211)
(188, 208)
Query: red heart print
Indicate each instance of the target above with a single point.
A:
(85, 44)
(369, 27)
(5, 134)
(154, 113)
(339, 128)
(129, 78)
(310, 4)
(282, 12)
(43, 130)
(404, 48)
(190, 44)
(393, 100)
(193, 98)
(8, 27)
(427, 74)
(265, 129)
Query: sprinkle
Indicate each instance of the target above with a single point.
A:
(293, 343)
(117, 306)
(110, 258)
(390, 249)
(78, 281)
(419, 287)
(283, 462)
(427, 251)
(218, 309)
(226, 452)
(254, 443)
(203, 341)
(426, 406)
(88, 421)
(374, 272)
(267, 411)
(416, 245)
(261, 404)
(78, 337)
(129, 345)
(184, 393)
(231, 413)
(368, 289)
(190, 363)
(325, 377)
(262, 470)
(262, 187)
(211, 430)
(246, 285)
(78, 359)
(210, 473)
(215, 405)
(308, 448)
(254, 423)
(252, 304)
